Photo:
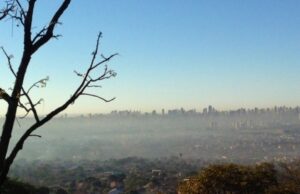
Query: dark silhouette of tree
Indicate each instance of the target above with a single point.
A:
(20, 98)
(9, 7)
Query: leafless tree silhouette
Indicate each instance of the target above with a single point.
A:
(20, 98)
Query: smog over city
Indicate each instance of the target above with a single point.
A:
(150, 97)
(266, 134)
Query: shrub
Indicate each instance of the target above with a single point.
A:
(231, 179)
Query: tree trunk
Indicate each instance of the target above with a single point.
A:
(11, 115)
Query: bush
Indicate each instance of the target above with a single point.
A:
(231, 179)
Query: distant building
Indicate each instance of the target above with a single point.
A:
(182, 111)
(154, 112)
(210, 109)
(205, 111)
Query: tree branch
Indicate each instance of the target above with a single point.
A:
(78, 92)
(101, 98)
(29, 49)
(35, 135)
(18, 14)
(40, 83)
(9, 57)
(4, 96)
(5, 11)
(22, 11)
(28, 25)
(49, 30)
(33, 109)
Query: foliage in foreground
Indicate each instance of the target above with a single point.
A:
(264, 178)
(14, 186)
(239, 179)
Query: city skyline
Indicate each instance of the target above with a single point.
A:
(208, 110)
(172, 54)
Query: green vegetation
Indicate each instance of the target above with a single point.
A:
(262, 178)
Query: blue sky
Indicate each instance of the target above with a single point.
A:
(173, 53)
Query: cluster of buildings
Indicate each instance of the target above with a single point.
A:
(209, 111)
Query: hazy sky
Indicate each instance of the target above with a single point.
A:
(173, 53)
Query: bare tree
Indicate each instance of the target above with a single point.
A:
(9, 7)
(20, 98)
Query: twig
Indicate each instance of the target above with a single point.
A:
(96, 96)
